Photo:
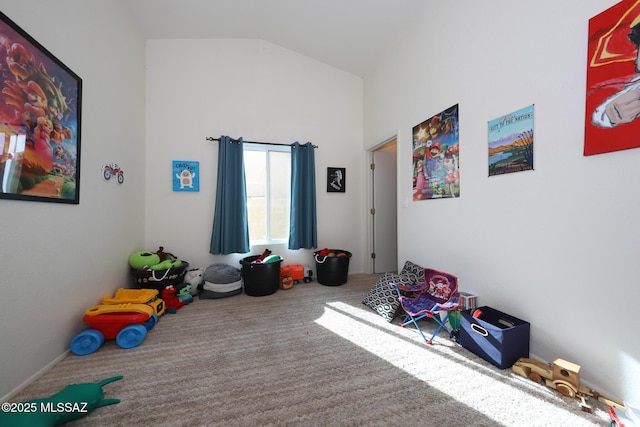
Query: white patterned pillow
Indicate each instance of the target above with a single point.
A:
(383, 297)
(411, 268)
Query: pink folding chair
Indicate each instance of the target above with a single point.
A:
(437, 294)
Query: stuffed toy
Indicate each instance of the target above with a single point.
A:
(184, 293)
(165, 255)
(171, 300)
(143, 260)
(195, 278)
(262, 256)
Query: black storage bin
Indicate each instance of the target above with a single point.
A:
(332, 270)
(159, 279)
(260, 279)
(497, 337)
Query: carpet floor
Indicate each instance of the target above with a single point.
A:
(312, 355)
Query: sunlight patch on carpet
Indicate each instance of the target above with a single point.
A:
(484, 389)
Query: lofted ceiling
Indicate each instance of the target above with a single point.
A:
(347, 34)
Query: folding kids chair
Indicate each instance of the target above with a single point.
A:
(437, 294)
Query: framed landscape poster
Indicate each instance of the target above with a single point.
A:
(40, 100)
(511, 142)
(435, 156)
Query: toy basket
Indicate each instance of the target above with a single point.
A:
(260, 279)
(497, 337)
(332, 270)
(159, 279)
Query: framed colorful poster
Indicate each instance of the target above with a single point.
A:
(613, 80)
(40, 101)
(186, 175)
(435, 156)
(511, 142)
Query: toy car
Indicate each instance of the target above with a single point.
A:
(562, 376)
(297, 273)
(126, 318)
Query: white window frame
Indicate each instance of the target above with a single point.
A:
(247, 146)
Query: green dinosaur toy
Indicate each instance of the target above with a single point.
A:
(73, 402)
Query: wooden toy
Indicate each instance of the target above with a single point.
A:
(562, 376)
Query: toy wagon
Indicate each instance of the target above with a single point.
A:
(126, 322)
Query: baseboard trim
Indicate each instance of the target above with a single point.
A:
(33, 378)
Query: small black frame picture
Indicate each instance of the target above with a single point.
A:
(336, 180)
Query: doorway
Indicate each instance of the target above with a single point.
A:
(384, 206)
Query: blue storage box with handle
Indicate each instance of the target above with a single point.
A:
(495, 336)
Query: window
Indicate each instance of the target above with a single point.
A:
(268, 176)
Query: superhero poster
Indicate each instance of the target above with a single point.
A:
(613, 80)
(39, 121)
(436, 162)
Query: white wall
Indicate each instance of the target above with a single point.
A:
(57, 259)
(262, 92)
(557, 246)
(547, 246)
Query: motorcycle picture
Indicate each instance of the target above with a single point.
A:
(112, 169)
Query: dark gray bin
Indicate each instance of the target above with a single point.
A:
(332, 270)
(260, 279)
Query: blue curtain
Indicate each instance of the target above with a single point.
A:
(303, 223)
(230, 223)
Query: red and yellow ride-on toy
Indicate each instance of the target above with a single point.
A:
(126, 318)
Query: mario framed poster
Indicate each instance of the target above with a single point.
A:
(40, 103)
(435, 157)
(613, 80)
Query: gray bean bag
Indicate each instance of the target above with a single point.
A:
(220, 280)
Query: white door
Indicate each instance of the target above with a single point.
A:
(384, 210)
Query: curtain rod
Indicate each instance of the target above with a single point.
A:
(210, 138)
